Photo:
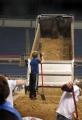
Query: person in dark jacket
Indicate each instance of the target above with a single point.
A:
(34, 75)
(7, 111)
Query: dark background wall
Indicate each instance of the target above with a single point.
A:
(31, 8)
(78, 43)
(13, 40)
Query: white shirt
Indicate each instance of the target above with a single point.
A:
(12, 84)
(28, 72)
(66, 106)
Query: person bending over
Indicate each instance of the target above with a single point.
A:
(66, 107)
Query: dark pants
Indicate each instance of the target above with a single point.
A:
(26, 88)
(61, 117)
(32, 86)
(37, 81)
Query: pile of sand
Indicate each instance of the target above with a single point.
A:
(57, 49)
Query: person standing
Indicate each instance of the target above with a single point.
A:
(27, 62)
(34, 75)
(12, 84)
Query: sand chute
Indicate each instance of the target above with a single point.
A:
(55, 38)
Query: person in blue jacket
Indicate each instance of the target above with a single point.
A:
(7, 111)
(34, 75)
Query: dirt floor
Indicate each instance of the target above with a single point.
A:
(44, 109)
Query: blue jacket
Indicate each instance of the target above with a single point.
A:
(7, 106)
(34, 65)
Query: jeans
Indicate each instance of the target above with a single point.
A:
(32, 84)
(61, 117)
